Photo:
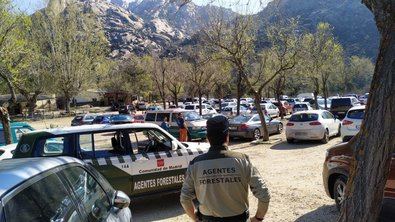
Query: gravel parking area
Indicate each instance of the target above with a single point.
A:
(292, 172)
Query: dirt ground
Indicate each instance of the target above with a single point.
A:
(292, 172)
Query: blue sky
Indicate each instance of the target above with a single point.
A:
(242, 6)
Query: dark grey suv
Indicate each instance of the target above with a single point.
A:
(58, 189)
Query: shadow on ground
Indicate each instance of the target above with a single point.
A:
(326, 213)
(157, 208)
(296, 145)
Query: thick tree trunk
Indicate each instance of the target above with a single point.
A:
(176, 100)
(67, 102)
(316, 99)
(257, 103)
(31, 102)
(239, 92)
(200, 102)
(375, 143)
(164, 102)
(5, 120)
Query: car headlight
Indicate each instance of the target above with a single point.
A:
(198, 128)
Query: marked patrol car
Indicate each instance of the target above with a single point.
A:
(139, 159)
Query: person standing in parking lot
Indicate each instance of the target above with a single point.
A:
(219, 180)
(182, 128)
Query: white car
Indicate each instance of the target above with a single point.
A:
(301, 106)
(6, 151)
(232, 110)
(352, 122)
(206, 109)
(312, 125)
(271, 109)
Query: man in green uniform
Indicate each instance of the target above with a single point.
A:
(219, 180)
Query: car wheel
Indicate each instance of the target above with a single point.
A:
(338, 131)
(290, 140)
(279, 128)
(257, 134)
(325, 140)
(339, 191)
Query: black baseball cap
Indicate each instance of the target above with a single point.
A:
(217, 126)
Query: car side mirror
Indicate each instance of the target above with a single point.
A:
(174, 145)
(121, 200)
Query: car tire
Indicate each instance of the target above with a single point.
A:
(280, 128)
(338, 132)
(290, 140)
(339, 188)
(325, 140)
(256, 134)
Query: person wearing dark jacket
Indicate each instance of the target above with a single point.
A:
(219, 180)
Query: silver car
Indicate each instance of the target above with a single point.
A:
(249, 126)
(58, 189)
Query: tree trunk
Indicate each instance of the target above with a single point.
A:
(239, 90)
(5, 120)
(176, 99)
(316, 99)
(164, 102)
(374, 144)
(257, 102)
(219, 103)
(200, 102)
(31, 101)
(67, 102)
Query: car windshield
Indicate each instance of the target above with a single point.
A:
(241, 118)
(304, 117)
(300, 106)
(356, 114)
(191, 116)
(341, 102)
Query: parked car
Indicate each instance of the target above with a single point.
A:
(232, 110)
(154, 107)
(138, 118)
(336, 172)
(195, 123)
(284, 107)
(58, 189)
(301, 106)
(271, 109)
(364, 99)
(321, 103)
(121, 119)
(249, 126)
(141, 106)
(312, 125)
(292, 101)
(130, 156)
(126, 109)
(206, 109)
(340, 106)
(17, 129)
(84, 119)
(352, 122)
(102, 119)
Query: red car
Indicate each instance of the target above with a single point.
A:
(335, 174)
(284, 107)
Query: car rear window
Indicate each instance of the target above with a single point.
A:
(241, 119)
(191, 107)
(356, 114)
(341, 102)
(300, 106)
(150, 117)
(121, 117)
(304, 117)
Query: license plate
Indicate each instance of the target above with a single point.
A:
(300, 133)
(233, 128)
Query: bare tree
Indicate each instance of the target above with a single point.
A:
(234, 41)
(374, 144)
(158, 69)
(176, 78)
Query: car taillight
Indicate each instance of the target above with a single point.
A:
(290, 124)
(315, 123)
(347, 122)
(243, 127)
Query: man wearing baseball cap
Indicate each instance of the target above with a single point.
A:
(219, 180)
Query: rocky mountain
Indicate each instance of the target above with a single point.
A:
(126, 32)
(353, 24)
(188, 18)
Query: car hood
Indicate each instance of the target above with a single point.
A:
(198, 123)
(201, 145)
